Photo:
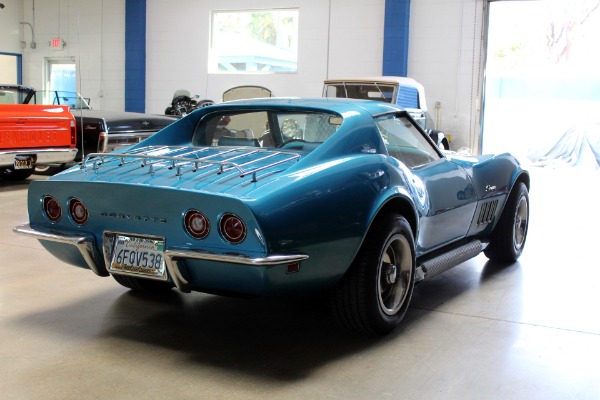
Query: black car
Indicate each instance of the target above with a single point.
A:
(100, 131)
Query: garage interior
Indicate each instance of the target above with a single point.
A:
(523, 331)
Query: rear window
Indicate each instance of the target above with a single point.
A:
(289, 130)
(369, 91)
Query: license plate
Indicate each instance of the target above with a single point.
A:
(23, 162)
(136, 255)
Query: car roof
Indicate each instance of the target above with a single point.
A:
(402, 80)
(332, 104)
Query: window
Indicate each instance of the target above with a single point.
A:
(60, 97)
(12, 94)
(292, 131)
(254, 41)
(405, 142)
(10, 68)
(366, 91)
(60, 74)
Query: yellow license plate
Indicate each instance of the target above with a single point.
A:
(23, 162)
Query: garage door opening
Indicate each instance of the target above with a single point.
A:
(542, 88)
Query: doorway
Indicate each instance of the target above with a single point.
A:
(542, 88)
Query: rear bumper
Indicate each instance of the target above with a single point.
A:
(178, 262)
(41, 156)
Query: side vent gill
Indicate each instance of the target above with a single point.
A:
(488, 210)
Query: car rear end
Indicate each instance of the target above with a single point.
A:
(122, 130)
(103, 131)
(35, 135)
(159, 216)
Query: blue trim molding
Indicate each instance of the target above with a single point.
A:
(395, 37)
(135, 55)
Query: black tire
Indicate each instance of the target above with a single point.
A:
(11, 174)
(143, 285)
(205, 103)
(509, 235)
(445, 144)
(49, 170)
(375, 293)
(440, 139)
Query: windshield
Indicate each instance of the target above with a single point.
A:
(290, 130)
(13, 94)
(59, 97)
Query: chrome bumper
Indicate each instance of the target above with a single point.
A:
(115, 141)
(42, 156)
(173, 258)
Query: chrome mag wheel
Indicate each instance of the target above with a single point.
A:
(394, 274)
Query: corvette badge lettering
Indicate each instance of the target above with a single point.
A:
(134, 217)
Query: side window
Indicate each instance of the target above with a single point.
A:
(405, 142)
(408, 97)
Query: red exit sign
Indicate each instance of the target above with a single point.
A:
(57, 43)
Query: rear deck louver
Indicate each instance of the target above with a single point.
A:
(488, 210)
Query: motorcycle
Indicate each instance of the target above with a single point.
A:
(183, 103)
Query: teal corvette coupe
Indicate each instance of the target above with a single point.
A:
(277, 196)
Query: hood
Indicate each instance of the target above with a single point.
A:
(116, 121)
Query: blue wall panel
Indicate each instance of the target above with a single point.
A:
(395, 37)
(135, 55)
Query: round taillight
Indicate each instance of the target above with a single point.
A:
(78, 211)
(232, 228)
(52, 209)
(196, 224)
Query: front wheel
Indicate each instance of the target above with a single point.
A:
(508, 237)
(375, 293)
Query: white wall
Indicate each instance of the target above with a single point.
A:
(336, 37)
(10, 16)
(94, 31)
(446, 55)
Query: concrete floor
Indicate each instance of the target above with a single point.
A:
(527, 331)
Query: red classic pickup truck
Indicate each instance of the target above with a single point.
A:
(33, 135)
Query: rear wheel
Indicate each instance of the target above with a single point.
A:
(508, 238)
(375, 293)
(49, 169)
(143, 285)
(11, 174)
